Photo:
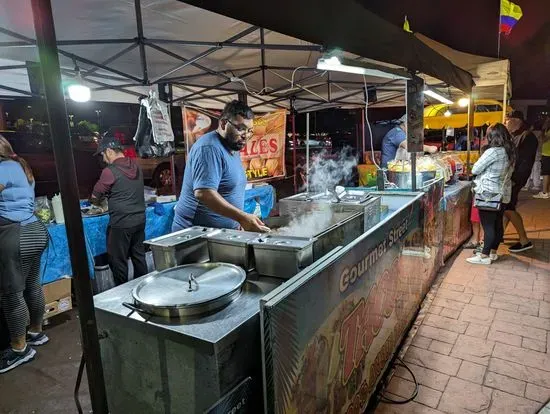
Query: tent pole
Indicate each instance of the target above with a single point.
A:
(262, 54)
(471, 113)
(66, 174)
(307, 152)
(505, 101)
(293, 124)
(363, 132)
(142, 57)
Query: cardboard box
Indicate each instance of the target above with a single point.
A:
(58, 297)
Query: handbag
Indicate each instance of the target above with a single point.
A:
(493, 203)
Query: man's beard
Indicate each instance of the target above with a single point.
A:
(234, 142)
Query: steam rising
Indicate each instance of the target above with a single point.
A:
(308, 225)
(328, 171)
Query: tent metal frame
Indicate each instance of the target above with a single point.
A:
(301, 90)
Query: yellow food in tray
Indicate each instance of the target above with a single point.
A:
(423, 164)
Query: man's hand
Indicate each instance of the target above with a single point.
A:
(431, 149)
(250, 222)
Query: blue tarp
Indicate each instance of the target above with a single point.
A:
(56, 260)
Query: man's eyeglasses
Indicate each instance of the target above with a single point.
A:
(242, 129)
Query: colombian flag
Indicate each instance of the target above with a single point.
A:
(510, 13)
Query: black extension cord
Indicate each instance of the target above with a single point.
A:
(387, 400)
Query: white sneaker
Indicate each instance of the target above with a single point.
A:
(477, 259)
(493, 257)
(542, 196)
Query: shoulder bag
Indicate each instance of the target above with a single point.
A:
(493, 203)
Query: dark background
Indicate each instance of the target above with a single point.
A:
(472, 26)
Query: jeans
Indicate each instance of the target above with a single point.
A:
(493, 229)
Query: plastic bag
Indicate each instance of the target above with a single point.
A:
(43, 209)
(154, 136)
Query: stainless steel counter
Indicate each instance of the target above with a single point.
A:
(204, 330)
(159, 365)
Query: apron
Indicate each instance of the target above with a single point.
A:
(11, 277)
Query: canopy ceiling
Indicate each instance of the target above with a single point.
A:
(202, 52)
(489, 74)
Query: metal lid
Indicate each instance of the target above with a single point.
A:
(179, 237)
(233, 237)
(282, 242)
(189, 285)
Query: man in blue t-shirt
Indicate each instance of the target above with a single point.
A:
(396, 138)
(214, 180)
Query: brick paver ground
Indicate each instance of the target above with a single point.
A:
(483, 345)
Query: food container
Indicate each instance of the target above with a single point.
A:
(404, 179)
(329, 228)
(232, 246)
(282, 256)
(181, 247)
(350, 200)
(188, 290)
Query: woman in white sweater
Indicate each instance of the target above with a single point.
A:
(493, 173)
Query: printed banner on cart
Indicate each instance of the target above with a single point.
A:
(263, 157)
(329, 339)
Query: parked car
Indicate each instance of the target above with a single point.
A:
(441, 116)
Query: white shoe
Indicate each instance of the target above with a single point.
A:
(493, 257)
(542, 196)
(477, 259)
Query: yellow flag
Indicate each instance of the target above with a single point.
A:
(406, 26)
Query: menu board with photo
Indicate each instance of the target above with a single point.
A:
(263, 158)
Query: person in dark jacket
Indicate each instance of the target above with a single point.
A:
(526, 151)
(121, 182)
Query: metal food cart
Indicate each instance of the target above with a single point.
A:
(296, 333)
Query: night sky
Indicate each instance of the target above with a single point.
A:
(472, 26)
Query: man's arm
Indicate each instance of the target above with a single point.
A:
(215, 202)
(1, 188)
(103, 186)
(207, 169)
(427, 148)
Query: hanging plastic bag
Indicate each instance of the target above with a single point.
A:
(154, 136)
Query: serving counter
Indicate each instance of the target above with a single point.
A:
(457, 203)
(298, 334)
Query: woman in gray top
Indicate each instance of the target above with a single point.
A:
(493, 173)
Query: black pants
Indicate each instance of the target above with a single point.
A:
(122, 244)
(493, 229)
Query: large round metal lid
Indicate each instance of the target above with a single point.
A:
(189, 285)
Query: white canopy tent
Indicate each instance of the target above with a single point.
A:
(491, 75)
(208, 58)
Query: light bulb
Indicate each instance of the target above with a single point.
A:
(448, 113)
(463, 102)
(79, 93)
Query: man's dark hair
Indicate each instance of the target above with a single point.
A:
(236, 108)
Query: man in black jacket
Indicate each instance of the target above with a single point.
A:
(121, 182)
(526, 144)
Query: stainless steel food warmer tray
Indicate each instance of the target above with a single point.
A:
(182, 247)
(232, 246)
(282, 256)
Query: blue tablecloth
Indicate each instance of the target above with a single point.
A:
(56, 261)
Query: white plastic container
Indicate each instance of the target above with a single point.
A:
(58, 209)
